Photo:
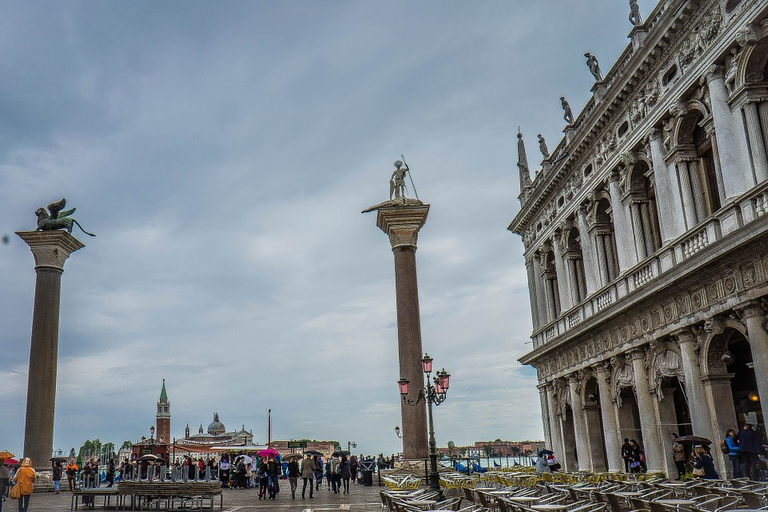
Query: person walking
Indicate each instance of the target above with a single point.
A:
(703, 460)
(634, 457)
(111, 473)
(293, 476)
(56, 477)
(261, 474)
(332, 470)
(626, 448)
(678, 454)
(25, 478)
(307, 472)
(5, 481)
(749, 448)
(273, 472)
(318, 472)
(345, 473)
(353, 468)
(733, 453)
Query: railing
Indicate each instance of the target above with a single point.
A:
(734, 216)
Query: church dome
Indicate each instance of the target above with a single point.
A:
(216, 428)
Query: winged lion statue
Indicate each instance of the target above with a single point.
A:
(54, 218)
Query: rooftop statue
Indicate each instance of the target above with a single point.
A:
(543, 146)
(397, 182)
(57, 219)
(594, 66)
(567, 113)
(634, 13)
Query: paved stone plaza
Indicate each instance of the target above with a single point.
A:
(360, 498)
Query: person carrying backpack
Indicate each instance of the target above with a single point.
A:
(334, 474)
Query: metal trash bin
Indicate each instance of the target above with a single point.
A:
(367, 467)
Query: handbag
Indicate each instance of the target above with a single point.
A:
(698, 472)
(15, 492)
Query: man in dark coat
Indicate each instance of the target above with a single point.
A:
(749, 447)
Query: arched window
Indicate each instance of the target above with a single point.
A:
(696, 170)
(605, 244)
(575, 262)
(642, 207)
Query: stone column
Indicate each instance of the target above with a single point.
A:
(697, 404)
(689, 204)
(584, 453)
(589, 253)
(563, 281)
(652, 443)
(50, 250)
(668, 200)
(756, 144)
(545, 414)
(754, 317)
(622, 229)
(541, 291)
(637, 224)
(533, 292)
(733, 152)
(608, 411)
(555, 428)
(402, 224)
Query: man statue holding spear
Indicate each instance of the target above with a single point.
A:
(397, 182)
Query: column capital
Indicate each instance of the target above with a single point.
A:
(401, 220)
(50, 248)
(603, 369)
(685, 335)
(715, 72)
(750, 309)
(654, 134)
(636, 353)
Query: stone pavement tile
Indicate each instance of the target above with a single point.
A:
(360, 499)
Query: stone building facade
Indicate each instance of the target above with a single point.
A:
(646, 243)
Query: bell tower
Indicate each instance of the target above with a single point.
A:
(163, 417)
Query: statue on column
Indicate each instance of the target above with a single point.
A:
(57, 219)
(567, 112)
(543, 146)
(634, 13)
(397, 182)
(594, 66)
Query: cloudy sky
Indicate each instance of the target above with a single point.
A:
(223, 152)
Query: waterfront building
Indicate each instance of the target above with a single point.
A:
(646, 243)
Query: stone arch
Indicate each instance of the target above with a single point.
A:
(714, 344)
(755, 63)
(689, 115)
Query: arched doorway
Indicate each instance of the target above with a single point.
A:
(738, 362)
(628, 415)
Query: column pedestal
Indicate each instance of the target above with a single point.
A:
(401, 220)
(50, 250)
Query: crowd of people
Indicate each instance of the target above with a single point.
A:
(745, 450)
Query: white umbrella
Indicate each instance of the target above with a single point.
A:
(246, 459)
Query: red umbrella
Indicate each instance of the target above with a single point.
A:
(12, 462)
(269, 452)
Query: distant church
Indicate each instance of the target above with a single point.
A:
(216, 434)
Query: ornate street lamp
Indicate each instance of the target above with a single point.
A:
(433, 392)
(397, 432)
(351, 444)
